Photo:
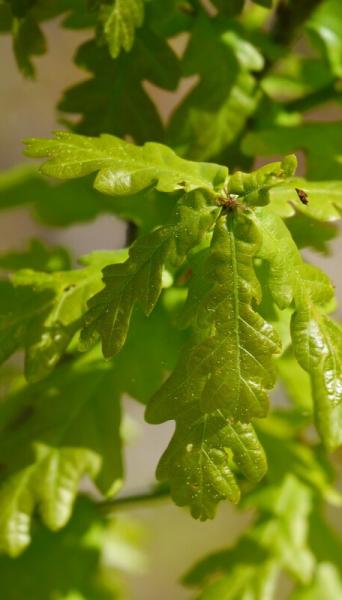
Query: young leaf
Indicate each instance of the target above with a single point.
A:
(139, 279)
(119, 21)
(124, 169)
(324, 199)
(52, 433)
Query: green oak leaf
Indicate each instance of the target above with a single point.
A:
(320, 142)
(198, 462)
(52, 433)
(71, 563)
(28, 41)
(119, 20)
(316, 338)
(124, 168)
(325, 27)
(254, 188)
(41, 312)
(140, 278)
(38, 257)
(313, 234)
(222, 377)
(276, 542)
(105, 100)
(324, 199)
(215, 110)
(317, 342)
(227, 363)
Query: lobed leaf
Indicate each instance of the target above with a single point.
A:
(71, 563)
(198, 462)
(124, 169)
(320, 142)
(216, 108)
(53, 433)
(316, 338)
(324, 199)
(222, 377)
(41, 312)
(276, 542)
(140, 278)
(102, 99)
(119, 21)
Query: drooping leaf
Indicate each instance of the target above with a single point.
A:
(124, 169)
(316, 338)
(119, 20)
(317, 343)
(222, 377)
(227, 362)
(71, 563)
(200, 460)
(52, 433)
(41, 312)
(325, 27)
(28, 41)
(139, 279)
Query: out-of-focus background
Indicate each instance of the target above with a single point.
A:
(173, 540)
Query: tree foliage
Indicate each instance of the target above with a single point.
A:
(211, 304)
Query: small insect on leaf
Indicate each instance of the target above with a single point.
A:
(303, 197)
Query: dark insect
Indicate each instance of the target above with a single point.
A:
(303, 197)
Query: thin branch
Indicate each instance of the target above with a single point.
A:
(158, 493)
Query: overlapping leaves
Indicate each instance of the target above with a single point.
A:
(222, 378)
(72, 563)
(140, 278)
(41, 312)
(52, 433)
